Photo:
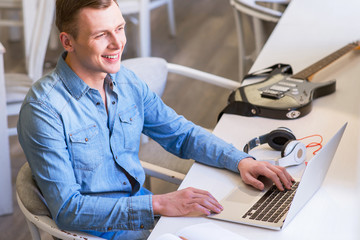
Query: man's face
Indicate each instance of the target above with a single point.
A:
(100, 42)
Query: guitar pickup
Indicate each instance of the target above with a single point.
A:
(287, 84)
(279, 88)
(269, 93)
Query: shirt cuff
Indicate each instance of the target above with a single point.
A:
(233, 157)
(141, 212)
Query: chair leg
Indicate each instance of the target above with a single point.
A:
(241, 44)
(14, 32)
(144, 29)
(171, 16)
(34, 231)
(259, 35)
(53, 40)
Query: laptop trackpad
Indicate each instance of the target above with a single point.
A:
(245, 193)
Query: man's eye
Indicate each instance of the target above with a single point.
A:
(100, 35)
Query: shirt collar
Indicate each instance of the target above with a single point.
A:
(76, 86)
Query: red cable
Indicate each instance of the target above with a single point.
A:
(314, 144)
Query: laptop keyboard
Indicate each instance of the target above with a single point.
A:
(273, 205)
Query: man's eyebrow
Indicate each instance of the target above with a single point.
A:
(105, 30)
(122, 24)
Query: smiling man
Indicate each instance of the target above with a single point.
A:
(80, 129)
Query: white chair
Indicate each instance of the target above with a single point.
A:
(18, 84)
(258, 15)
(21, 15)
(143, 9)
(37, 215)
(10, 14)
(32, 204)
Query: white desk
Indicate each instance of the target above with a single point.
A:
(308, 31)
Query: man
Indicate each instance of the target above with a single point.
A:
(80, 126)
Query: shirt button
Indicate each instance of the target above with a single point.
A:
(86, 139)
(141, 226)
(124, 183)
(113, 102)
(109, 228)
(98, 103)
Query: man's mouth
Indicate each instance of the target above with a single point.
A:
(111, 56)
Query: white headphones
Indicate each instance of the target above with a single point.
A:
(282, 139)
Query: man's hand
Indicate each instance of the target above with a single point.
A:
(188, 201)
(251, 169)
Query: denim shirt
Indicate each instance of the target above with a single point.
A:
(85, 158)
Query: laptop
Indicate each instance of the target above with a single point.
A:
(271, 208)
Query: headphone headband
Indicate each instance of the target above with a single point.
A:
(276, 139)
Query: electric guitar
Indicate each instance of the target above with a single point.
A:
(283, 95)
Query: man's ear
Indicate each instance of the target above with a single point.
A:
(67, 41)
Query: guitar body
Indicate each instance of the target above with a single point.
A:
(283, 95)
(279, 96)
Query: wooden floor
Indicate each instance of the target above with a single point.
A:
(206, 40)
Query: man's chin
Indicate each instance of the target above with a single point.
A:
(114, 70)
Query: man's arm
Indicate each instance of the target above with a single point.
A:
(186, 140)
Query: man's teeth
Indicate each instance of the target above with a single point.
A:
(110, 56)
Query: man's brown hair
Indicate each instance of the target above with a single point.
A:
(67, 13)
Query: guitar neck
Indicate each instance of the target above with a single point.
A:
(310, 71)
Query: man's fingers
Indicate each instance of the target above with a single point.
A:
(285, 178)
(251, 169)
(203, 192)
(253, 181)
(206, 200)
(187, 201)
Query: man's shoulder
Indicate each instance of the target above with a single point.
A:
(126, 76)
(47, 90)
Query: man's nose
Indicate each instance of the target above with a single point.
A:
(117, 41)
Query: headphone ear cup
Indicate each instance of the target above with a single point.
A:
(294, 153)
(288, 147)
(278, 138)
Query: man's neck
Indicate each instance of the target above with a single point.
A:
(95, 81)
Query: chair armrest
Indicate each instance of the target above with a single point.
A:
(253, 9)
(203, 76)
(48, 225)
(162, 173)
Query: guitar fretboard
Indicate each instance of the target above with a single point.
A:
(311, 70)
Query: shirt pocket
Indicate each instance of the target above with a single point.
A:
(131, 125)
(86, 148)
